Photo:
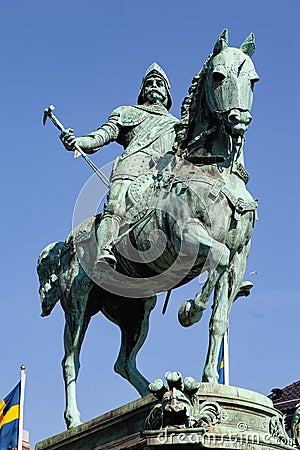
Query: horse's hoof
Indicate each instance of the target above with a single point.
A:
(210, 379)
(210, 375)
(244, 289)
(72, 421)
(187, 314)
(74, 424)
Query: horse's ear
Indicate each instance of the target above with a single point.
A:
(222, 42)
(248, 46)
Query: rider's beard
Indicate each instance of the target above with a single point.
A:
(155, 97)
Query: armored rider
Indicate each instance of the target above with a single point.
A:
(146, 131)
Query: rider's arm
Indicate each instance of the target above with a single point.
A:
(91, 143)
(107, 133)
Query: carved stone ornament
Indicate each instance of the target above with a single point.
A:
(179, 407)
(277, 428)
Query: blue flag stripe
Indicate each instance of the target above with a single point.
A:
(12, 399)
(9, 419)
(220, 366)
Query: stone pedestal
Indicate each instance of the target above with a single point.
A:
(225, 417)
(121, 428)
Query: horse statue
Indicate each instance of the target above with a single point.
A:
(193, 215)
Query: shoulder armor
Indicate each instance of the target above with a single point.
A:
(128, 116)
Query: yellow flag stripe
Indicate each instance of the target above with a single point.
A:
(2, 405)
(222, 364)
(12, 414)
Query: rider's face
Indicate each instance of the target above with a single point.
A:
(155, 90)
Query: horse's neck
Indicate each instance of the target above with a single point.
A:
(212, 136)
(232, 170)
(231, 148)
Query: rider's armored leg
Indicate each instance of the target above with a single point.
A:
(109, 226)
(107, 232)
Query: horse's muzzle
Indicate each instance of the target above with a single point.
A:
(239, 120)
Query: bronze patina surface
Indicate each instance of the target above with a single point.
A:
(178, 206)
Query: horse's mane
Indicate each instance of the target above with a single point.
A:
(192, 105)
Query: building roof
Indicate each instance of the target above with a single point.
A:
(286, 399)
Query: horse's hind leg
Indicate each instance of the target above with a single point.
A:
(77, 320)
(133, 319)
(226, 291)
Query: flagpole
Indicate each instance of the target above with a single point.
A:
(21, 419)
(226, 359)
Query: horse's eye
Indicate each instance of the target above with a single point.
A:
(218, 77)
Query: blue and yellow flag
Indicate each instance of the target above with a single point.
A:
(9, 419)
(220, 366)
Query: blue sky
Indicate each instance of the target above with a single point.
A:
(87, 58)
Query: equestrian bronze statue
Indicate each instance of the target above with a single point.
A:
(178, 206)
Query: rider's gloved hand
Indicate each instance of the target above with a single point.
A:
(68, 139)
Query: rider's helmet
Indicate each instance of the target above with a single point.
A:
(158, 71)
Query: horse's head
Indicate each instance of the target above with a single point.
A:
(229, 82)
(221, 95)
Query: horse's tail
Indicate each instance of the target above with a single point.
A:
(48, 272)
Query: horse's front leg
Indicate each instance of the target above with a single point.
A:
(226, 291)
(217, 253)
(77, 321)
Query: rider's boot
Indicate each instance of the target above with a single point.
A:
(107, 232)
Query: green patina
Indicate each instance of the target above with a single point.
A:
(178, 206)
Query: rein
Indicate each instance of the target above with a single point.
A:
(201, 135)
